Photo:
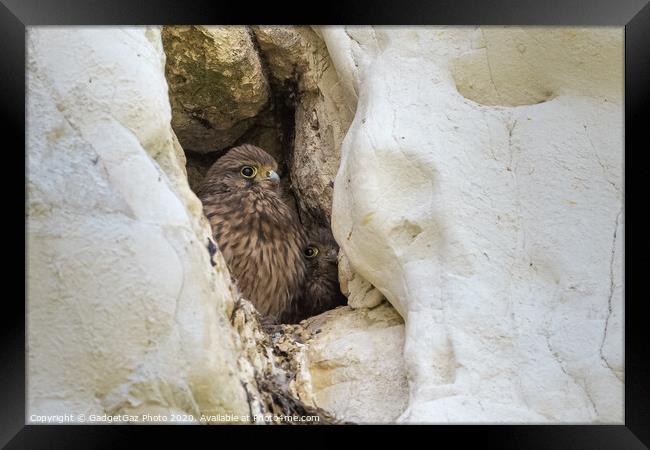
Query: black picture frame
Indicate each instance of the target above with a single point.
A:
(634, 15)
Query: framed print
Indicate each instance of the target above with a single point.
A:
(381, 215)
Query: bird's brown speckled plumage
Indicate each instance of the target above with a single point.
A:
(321, 291)
(258, 234)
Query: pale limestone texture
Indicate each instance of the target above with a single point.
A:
(216, 84)
(359, 292)
(495, 231)
(322, 116)
(125, 313)
(355, 363)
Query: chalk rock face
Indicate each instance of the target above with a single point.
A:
(480, 192)
(298, 55)
(216, 84)
(355, 363)
(126, 314)
(359, 292)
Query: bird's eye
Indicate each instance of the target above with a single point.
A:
(311, 251)
(248, 172)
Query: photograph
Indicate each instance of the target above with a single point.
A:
(377, 217)
(291, 224)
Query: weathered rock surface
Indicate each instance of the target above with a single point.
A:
(298, 56)
(216, 83)
(125, 312)
(355, 363)
(495, 231)
(359, 292)
(276, 370)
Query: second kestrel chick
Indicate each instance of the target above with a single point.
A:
(321, 291)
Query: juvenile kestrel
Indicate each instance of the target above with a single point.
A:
(259, 235)
(321, 291)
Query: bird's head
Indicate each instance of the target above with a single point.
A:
(322, 270)
(321, 291)
(321, 250)
(245, 167)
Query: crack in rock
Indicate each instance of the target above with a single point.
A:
(575, 380)
(600, 162)
(612, 287)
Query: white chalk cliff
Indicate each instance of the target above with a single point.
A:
(479, 192)
(125, 314)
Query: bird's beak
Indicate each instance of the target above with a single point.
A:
(271, 175)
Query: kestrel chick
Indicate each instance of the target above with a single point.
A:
(321, 291)
(259, 236)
